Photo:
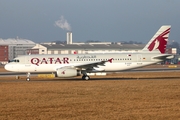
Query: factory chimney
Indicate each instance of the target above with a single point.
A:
(69, 37)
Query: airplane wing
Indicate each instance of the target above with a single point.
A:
(89, 66)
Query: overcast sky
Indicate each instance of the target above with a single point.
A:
(102, 20)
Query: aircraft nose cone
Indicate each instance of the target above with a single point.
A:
(8, 67)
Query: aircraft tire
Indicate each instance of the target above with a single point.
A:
(85, 77)
(27, 79)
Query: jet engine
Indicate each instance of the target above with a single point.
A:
(67, 72)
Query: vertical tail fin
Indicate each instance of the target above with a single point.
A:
(159, 41)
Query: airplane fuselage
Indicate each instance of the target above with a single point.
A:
(50, 63)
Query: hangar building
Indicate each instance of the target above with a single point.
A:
(83, 48)
(13, 47)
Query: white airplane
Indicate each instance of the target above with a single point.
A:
(71, 65)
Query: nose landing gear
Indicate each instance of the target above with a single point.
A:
(28, 76)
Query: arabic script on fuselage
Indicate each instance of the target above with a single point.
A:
(86, 56)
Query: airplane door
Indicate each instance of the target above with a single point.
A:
(26, 60)
(28, 64)
(139, 58)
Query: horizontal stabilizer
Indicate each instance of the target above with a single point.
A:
(163, 57)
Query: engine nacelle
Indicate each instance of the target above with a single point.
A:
(67, 72)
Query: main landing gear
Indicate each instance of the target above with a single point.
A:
(28, 76)
(85, 77)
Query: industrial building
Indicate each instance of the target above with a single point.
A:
(83, 48)
(13, 47)
(4, 53)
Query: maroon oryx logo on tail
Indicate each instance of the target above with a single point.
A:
(160, 42)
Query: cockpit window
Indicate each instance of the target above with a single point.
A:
(14, 60)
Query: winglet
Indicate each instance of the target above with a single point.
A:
(159, 41)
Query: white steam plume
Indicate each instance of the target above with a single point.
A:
(62, 23)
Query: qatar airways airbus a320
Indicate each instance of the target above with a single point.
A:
(71, 65)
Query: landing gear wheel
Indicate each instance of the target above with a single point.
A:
(28, 76)
(27, 79)
(85, 77)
